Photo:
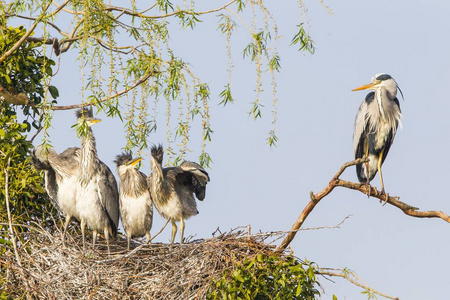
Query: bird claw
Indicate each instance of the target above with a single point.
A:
(386, 199)
(369, 190)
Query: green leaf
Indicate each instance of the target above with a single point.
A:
(53, 91)
(299, 290)
(237, 274)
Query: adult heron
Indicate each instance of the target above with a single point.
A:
(136, 208)
(375, 126)
(172, 189)
(61, 177)
(97, 194)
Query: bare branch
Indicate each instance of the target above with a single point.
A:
(363, 188)
(34, 19)
(128, 12)
(8, 210)
(75, 106)
(353, 278)
(13, 98)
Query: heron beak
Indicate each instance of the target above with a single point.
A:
(92, 121)
(135, 161)
(365, 87)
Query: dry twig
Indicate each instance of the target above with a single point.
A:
(353, 278)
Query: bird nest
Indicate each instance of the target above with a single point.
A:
(49, 270)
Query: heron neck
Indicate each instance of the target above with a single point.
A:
(380, 96)
(157, 177)
(89, 158)
(132, 183)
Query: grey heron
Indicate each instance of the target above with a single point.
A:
(172, 189)
(97, 197)
(61, 177)
(375, 126)
(136, 207)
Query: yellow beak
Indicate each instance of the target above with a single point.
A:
(365, 87)
(135, 161)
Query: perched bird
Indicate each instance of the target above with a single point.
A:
(375, 126)
(136, 207)
(97, 195)
(172, 189)
(61, 177)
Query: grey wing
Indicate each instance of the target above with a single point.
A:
(196, 170)
(359, 128)
(67, 163)
(109, 195)
(198, 178)
(51, 185)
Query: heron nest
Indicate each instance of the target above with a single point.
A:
(48, 270)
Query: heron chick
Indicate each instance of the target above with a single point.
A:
(61, 177)
(136, 208)
(97, 194)
(172, 189)
(375, 126)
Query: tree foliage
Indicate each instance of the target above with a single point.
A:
(267, 277)
(22, 78)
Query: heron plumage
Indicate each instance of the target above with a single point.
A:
(136, 207)
(97, 193)
(172, 189)
(376, 124)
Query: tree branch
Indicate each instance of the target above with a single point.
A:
(350, 277)
(363, 188)
(8, 210)
(24, 37)
(126, 90)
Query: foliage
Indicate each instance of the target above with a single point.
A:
(26, 71)
(267, 277)
(22, 72)
(26, 200)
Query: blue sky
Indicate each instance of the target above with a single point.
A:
(267, 188)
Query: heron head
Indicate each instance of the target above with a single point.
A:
(157, 153)
(126, 159)
(381, 80)
(87, 115)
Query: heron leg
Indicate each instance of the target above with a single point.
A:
(83, 224)
(366, 171)
(128, 241)
(181, 230)
(106, 231)
(94, 237)
(66, 224)
(174, 231)
(381, 176)
(148, 237)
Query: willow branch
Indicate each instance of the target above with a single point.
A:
(126, 11)
(363, 188)
(75, 106)
(345, 274)
(34, 19)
